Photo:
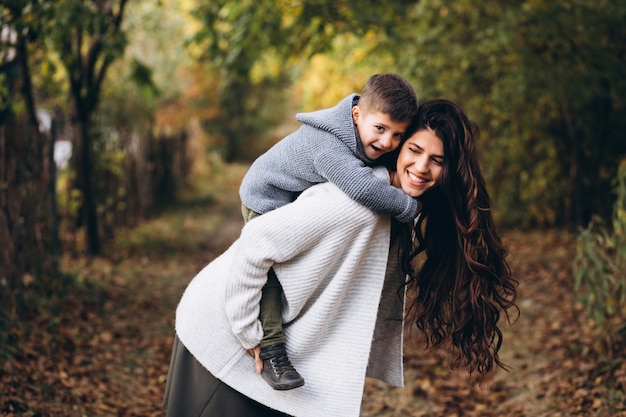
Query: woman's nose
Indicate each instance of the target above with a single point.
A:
(421, 164)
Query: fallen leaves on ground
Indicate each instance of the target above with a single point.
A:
(103, 349)
(555, 368)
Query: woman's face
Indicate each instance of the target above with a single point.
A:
(419, 164)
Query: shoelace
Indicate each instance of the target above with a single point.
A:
(281, 364)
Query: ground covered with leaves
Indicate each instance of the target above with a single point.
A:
(100, 344)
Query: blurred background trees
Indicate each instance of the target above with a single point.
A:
(134, 85)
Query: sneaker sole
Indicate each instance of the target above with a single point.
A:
(284, 387)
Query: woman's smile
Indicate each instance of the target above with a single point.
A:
(415, 179)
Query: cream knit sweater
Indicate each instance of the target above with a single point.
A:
(330, 255)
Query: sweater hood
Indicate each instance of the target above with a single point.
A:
(336, 120)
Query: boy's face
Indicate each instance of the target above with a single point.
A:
(378, 132)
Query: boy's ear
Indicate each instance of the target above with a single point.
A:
(356, 113)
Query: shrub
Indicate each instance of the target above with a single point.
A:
(600, 267)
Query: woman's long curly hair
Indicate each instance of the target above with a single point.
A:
(465, 282)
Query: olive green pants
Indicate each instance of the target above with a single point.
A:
(270, 315)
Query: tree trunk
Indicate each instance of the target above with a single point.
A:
(84, 174)
(52, 172)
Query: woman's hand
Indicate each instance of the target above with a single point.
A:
(255, 352)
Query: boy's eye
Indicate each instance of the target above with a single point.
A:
(380, 128)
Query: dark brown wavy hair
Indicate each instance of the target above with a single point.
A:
(464, 284)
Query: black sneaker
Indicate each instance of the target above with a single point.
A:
(277, 369)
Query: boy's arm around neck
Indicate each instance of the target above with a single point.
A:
(358, 181)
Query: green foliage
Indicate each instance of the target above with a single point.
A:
(596, 275)
(600, 265)
(130, 102)
(545, 84)
(239, 38)
(157, 34)
(544, 81)
(87, 38)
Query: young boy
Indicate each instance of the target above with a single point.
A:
(338, 145)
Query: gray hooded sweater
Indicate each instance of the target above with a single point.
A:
(325, 148)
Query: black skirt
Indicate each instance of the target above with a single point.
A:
(192, 391)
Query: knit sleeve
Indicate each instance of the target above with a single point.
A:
(350, 174)
(279, 236)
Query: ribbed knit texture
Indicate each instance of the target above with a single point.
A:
(324, 148)
(330, 255)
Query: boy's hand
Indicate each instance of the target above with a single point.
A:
(255, 352)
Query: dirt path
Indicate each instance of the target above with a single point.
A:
(103, 349)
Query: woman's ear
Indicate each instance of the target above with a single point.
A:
(356, 113)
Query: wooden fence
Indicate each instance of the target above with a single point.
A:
(134, 179)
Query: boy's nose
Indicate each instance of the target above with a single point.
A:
(385, 142)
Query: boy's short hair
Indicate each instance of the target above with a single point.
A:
(390, 94)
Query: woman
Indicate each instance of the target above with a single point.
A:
(465, 282)
(343, 298)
